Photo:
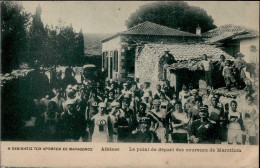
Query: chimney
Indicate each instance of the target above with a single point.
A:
(198, 30)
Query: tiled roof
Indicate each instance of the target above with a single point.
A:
(149, 28)
(242, 36)
(185, 52)
(223, 36)
(229, 28)
(187, 56)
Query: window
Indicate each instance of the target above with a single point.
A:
(106, 63)
(104, 60)
(116, 61)
(111, 53)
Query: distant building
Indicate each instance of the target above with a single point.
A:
(185, 71)
(119, 51)
(234, 39)
(137, 52)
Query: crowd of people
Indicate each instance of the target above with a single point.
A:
(110, 111)
(232, 71)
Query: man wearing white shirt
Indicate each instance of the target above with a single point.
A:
(234, 126)
(207, 67)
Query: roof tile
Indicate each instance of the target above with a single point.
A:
(185, 52)
(231, 29)
(149, 28)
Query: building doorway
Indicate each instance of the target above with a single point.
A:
(188, 78)
(130, 62)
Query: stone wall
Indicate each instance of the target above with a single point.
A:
(122, 44)
(146, 66)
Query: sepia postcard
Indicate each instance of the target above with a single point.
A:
(129, 84)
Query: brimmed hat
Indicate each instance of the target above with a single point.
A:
(194, 91)
(69, 87)
(204, 108)
(75, 87)
(145, 120)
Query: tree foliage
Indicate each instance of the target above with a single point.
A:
(174, 14)
(14, 24)
(80, 47)
(37, 37)
(24, 38)
(59, 45)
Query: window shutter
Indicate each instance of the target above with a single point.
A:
(107, 61)
(103, 60)
(116, 61)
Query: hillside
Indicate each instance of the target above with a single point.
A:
(93, 43)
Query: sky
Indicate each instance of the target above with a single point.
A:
(110, 16)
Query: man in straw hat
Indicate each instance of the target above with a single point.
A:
(168, 58)
(239, 65)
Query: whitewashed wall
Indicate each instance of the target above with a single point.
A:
(245, 49)
(112, 45)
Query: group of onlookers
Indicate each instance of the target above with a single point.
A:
(231, 70)
(132, 112)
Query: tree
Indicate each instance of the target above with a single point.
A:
(66, 43)
(79, 48)
(174, 14)
(63, 45)
(52, 54)
(14, 23)
(37, 37)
